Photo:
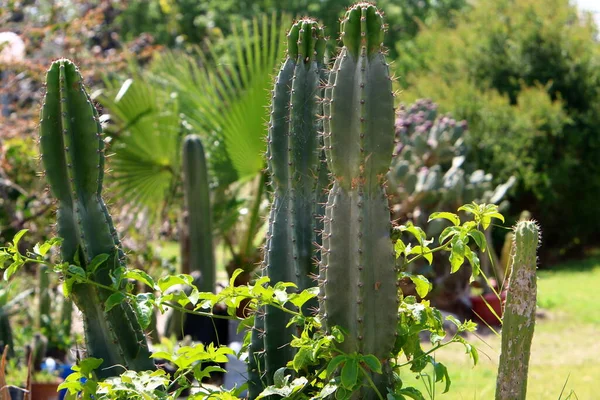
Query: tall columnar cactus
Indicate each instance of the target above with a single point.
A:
(357, 270)
(44, 300)
(298, 178)
(73, 155)
(199, 247)
(518, 321)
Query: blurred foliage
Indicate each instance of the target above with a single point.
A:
(525, 74)
(180, 22)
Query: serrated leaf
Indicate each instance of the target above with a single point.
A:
(114, 300)
(349, 373)
(372, 362)
(445, 215)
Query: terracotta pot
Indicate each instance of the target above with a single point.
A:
(482, 310)
(44, 391)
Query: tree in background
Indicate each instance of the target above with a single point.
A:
(525, 74)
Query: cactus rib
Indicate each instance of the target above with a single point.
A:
(73, 155)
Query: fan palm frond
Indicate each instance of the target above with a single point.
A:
(227, 100)
(145, 143)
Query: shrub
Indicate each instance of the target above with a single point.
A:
(523, 73)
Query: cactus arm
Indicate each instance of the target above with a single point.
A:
(359, 291)
(518, 320)
(279, 258)
(73, 155)
(305, 47)
(197, 200)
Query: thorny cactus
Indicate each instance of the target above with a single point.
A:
(72, 151)
(518, 320)
(429, 174)
(357, 272)
(198, 239)
(299, 177)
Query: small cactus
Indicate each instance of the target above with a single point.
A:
(72, 151)
(198, 250)
(518, 320)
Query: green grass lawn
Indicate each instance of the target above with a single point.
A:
(566, 345)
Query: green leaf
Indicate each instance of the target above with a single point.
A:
(457, 254)
(334, 364)
(372, 362)
(399, 247)
(302, 359)
(350, 373)
(144, 309)
(473, 260)
(411, 392)
(141, 276)
(425, 252)
(417, 232)
(445, 215)
(76, 271)
(279, 378)
(479, 238)
(114, 300)
(13, 268)
(441, 375)
(448, 233)
(172, 280)
(327, 390)
(422, 284)
(96, 262)
(18, 237)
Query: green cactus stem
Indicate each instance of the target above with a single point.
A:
(357, 271)
(44, 300)
(72, 151)
(299, 177)
(199, 224)
(518, 320)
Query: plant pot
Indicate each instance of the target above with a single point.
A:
(482, 310)
(44, 391)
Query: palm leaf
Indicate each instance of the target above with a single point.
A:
(145, 143)
(227, 100)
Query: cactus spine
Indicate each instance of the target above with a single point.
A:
(73, 155)
(357, 270)
(200, 256)
(519, 314)
(298, 178)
